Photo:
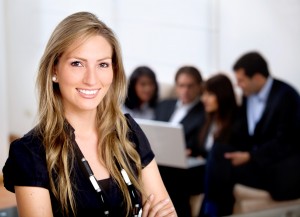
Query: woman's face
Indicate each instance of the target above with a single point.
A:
(145, 88)
(84, 74)
(210, 101)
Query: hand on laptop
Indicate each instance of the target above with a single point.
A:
(188, 152)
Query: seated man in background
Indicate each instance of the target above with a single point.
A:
(188, 110)
(265, 150)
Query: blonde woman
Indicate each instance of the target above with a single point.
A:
(84, 157)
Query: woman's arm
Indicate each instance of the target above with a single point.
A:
(158, 202)
(33, 202)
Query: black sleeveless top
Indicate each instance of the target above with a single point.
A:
(26, 166)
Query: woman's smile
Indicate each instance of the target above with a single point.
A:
(88, 93)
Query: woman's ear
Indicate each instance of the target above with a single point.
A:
(54, 78)
(54, 75)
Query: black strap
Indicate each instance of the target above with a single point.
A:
(86, 169)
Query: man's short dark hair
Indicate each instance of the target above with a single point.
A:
(252, 63)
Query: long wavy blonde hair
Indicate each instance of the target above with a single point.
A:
(112, 125)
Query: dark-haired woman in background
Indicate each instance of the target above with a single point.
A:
(142, 93)
(221, 108)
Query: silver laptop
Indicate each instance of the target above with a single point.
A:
(168, 144)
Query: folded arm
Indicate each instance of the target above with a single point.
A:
(33, 201)
(157, 201)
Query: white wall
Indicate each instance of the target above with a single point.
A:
(3, 91)
(269, 26)
(22, 40)
(166, 35)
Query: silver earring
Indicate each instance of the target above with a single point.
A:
(54, 78)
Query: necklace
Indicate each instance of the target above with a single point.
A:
(136, 210)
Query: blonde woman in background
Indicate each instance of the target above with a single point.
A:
(84, 157)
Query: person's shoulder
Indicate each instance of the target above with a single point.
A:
(135, 132)
(285, 86)
(125, 109)
(132, 124)
(168, 101)
(26, 163)
(128, 117)
(31, 140)
(284, 97)
(199, 105)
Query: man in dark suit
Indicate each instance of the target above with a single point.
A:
(188, 110)
(266, 146)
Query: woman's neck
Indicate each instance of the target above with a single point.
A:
(83, 123)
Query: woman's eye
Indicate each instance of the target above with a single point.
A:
(76, 63)
(104, 65)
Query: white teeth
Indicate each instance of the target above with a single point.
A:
(88, 92)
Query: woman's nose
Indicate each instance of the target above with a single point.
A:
(90, 76)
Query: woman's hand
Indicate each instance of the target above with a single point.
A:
(159, 205)
(237, 158)
(160, 209)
